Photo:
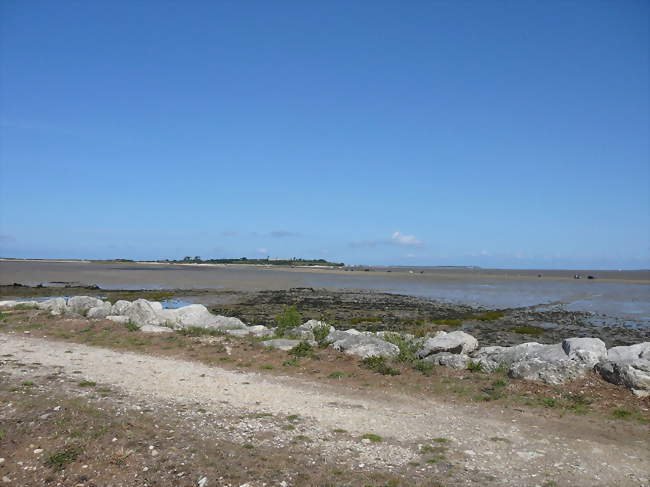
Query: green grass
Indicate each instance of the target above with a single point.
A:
(372, 437)
(378, 364)
(60, 459)
(448, 322)
(441, 440)
(87, 383)
(425, 367)
(621, 413)
(475, 366)
(28, 383)
(266, 367)
(320, 334)
(407, 349)
(528, 330)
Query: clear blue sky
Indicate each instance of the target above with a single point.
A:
(492, 133)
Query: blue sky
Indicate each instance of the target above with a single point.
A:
(500, 134)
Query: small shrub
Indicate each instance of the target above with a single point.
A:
(28, 383)
(289, 318)
(528, 330)
(59, 460)
(131, 326)
(378, 364)
(475, 366)
(407, 349)
(320, 334)
(303, 349)
(372, 437)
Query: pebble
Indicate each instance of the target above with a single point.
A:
(2, 460)
(6, 479)
(38, 451)
(202, 481)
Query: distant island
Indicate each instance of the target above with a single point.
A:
(245, 260)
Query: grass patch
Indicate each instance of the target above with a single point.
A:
(425, 367)
(372, 437)
(320, 334)
(407, 349)
(378, 364)
(294, 362)
(621, 413)
(528, 330)
(27, 383)
(87, 383)
(60, 459)
(266, 367)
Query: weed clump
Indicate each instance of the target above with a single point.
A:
(289, 318)
(131, 326)
(197, 331)
(378, 364)
(320, 334)
(372, 437)
(475, 366)
(303, 349)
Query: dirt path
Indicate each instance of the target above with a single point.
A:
(517, 450)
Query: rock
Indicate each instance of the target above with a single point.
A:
(452, 360)
(120, 307)
(260, 331)
(203, 482)
(549, 372)
(199, 316)
(119, 319)
(13, 304)
(352, 331)
(8, 304)
(454, 342)
(361, 345)
(155, 329)
(156, 305)
(306, 330)
(281, 343)
(588, 351)
(56, 306)
(99, 312)
(141, 313)
(629, 353)
(81, 304)
(628, 366)
(238, 333)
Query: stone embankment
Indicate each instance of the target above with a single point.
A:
(549, 363)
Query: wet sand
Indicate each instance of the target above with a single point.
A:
(624, 294)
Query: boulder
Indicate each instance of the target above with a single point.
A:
(56, 306)
(155, 329)
(119, 319)
(628, 366)
(634, 374)
(99, 312)
(81, 304)
(361, 345)
(452, 360)
(199, 316)
(550, 372)
(120, 307)
(8, 304)
(14, 304)
(141, 313)
(156, 305)
(454, 342)
(492, 357)
(281, 343)
(306, 330)
(588, 351)
(260, 331)
(629, 353)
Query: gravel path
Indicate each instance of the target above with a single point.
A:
(517, 448)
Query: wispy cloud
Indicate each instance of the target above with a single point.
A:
(397, 238)
(262, 251)
(408, 240)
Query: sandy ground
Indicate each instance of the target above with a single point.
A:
(518, 451)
